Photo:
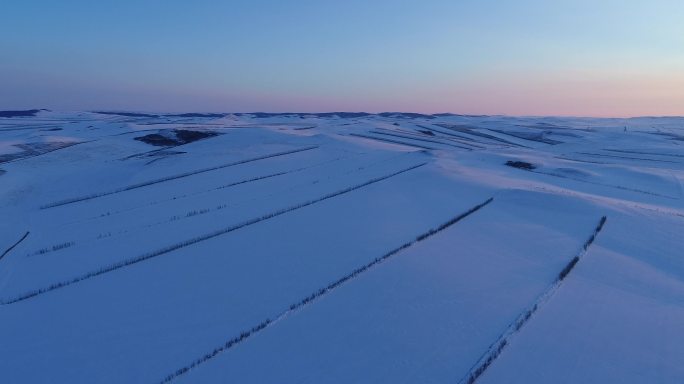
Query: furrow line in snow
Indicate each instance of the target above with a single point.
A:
(183, 244)
(597, 183)
(584, 161)
(10, 158)
(470, 131)
(192, 194)
(407, 137)
(390, 141)
(317, 294)
(644, 153)
(458, 138)
(602, 184)
(454, 138)
(68, 244)
(541, 139)
(628, 158)
(501, 342)
(14, 245)
(174, 177)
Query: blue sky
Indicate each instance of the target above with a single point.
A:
(529, 57)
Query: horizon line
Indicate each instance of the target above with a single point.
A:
(431, 115)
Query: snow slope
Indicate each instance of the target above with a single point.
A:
(337, 248)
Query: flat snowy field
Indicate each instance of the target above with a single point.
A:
(340, 248)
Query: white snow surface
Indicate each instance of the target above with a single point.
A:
(307, 248)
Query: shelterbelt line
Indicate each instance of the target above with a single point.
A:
(319, 293)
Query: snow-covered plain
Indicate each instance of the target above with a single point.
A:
(340, 248)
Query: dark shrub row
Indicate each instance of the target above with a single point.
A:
(490, 359)
(196, 240)
(420, 139)
(174, 177)
(323, 291)
(602, 184)
(229, 344)
(54, 248)
(564, 273)
(495, 349)
(14, 245)
(390, 141)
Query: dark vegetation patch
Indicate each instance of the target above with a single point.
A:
(188, 136)
(175, 137)
(127, 114)
(26, 113)
(158, 140)
(521, 164)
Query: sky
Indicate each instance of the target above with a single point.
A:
(518, 57)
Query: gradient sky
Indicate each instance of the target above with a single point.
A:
(519, 57)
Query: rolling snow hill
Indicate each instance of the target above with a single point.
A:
(340, 248)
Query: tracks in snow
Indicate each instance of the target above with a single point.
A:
(501, 342)
(317, 294)
(211, 235)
